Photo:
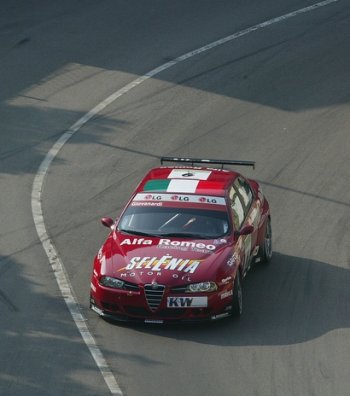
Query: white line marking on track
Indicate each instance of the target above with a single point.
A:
(57, 266)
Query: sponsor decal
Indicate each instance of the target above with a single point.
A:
(146, 204)
(187, 302)
(180, 198)
(231, 261)
(130, 274)
(220, 241)
(226, 294)
(185, 249)
(226, 280)
(187, 244)
(136, 241)
(170, 244)
(154, 321)
(208, 200)
(150, 197)
(167, 262)
(156, 199)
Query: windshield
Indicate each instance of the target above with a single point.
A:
(174, 221)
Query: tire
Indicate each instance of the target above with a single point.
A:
(237, 301)
(266, 248)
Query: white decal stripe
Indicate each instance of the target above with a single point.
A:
(182, 186)
(189, 174)
(51, 252)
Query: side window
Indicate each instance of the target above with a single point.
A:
(237, 208)
(244, 191)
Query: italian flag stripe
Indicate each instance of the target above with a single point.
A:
(157, 185)
(210, 185)
(172, 185)
(183, 186)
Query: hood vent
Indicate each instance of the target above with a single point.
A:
(154, 294)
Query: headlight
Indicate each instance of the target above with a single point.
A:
(111, 282)
(201, 287)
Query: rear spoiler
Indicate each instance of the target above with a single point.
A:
(193, 161)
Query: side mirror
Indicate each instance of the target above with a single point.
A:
(245, 230)
(107, 222)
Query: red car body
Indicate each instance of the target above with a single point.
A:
(182, 245)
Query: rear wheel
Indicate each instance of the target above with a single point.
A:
(266, 248)
(237, 300)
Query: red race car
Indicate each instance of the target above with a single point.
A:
(182, 245)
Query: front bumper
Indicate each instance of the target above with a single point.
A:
(170, 307)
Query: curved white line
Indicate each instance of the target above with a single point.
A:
(51, 252)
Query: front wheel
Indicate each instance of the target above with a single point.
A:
(266, 248)
(237, 300)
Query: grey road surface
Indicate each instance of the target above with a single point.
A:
(279, 96)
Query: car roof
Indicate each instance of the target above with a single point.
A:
(188, 180)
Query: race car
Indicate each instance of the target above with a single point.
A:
(182, 245)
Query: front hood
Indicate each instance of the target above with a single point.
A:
(169, 261)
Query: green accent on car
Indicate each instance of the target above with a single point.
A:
(156, 185)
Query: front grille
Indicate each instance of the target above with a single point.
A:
(154, 294)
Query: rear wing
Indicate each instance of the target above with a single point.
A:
(193, 161)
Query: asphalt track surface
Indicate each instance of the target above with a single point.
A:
(279, 96)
